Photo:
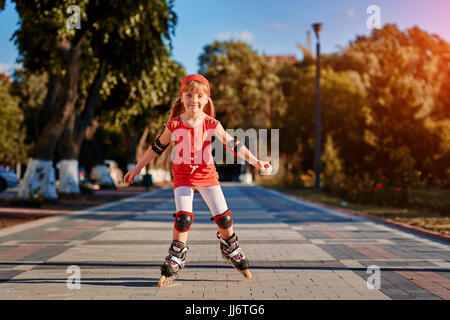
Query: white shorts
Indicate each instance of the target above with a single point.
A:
(213, 196)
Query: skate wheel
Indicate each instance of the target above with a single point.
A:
(247, 274)
(161, 281)
(165, 281)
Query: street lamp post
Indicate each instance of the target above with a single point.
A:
(318, 135)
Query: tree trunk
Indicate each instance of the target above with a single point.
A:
(131, 144)
(48, 140)
(132, 148)
(38, 181)
(73, 137)
(45, 114)
(68, 177)
(68, 166)
(140, 149)
(40, 167)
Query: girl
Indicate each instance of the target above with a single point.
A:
(191, 125)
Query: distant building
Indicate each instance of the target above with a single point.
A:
(280, 59)
(4, 78)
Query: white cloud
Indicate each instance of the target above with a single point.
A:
(8, 68)
(4, 67)
(350, 13)
(278, 26)
(243, 35)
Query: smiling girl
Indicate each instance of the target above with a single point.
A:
(192, 125)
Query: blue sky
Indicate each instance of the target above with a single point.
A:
(270, 27)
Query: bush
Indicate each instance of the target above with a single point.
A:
(381, 192)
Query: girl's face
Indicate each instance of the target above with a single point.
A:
(194, 101)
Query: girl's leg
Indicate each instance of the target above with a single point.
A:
(229, 245)
(176, 259)
(217, 204)
(183, 202)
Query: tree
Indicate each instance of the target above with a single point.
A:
(110, 32)
(245, 88)
(30, 89)
(138, 109)
(12, 133)
(343, 116)
(403, 74)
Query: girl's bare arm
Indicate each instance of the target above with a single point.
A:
(150, 155)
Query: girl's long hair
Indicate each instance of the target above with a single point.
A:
(178, 107)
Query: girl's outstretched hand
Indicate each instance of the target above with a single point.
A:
(264, 166)
(129, 177)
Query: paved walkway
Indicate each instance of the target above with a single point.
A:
(296, 250)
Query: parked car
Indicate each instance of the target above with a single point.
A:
(8, 179)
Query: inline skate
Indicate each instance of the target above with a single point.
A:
(233, 254)
(173, 263)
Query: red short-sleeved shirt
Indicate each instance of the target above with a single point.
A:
(193, 164)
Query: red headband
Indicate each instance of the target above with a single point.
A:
(196, 77)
